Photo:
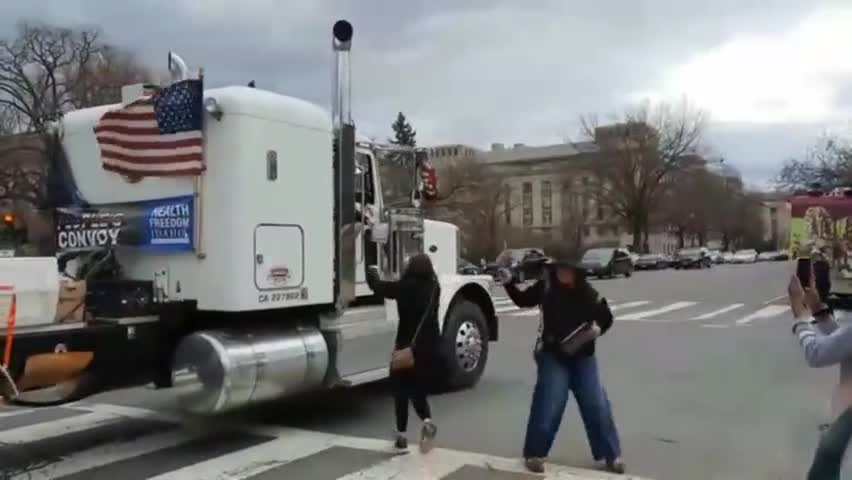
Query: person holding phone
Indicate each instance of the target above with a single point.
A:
(824, 343)
(573, 316)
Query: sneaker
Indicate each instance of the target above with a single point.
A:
(616, 466)
(534, 464)
(401, 443)
(427, 436)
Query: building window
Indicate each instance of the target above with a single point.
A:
(602, 231)
(507, 203)
(586, 231)
(456, 151)
(600, 212)
(585, 181)
(546, 203)
(586, 204)
(527, 204)
(615, 231)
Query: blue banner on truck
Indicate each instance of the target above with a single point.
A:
(160, 226)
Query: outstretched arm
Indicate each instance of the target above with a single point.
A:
(384, 288)
(530, 297)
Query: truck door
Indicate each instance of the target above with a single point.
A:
(366, 251)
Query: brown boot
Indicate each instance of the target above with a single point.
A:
(534, 464)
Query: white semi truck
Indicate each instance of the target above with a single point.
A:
(272, 299)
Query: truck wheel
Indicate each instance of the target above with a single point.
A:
(628, 273)
(465, 343)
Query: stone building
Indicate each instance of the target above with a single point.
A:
(546, 196)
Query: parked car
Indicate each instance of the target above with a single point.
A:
(716, 256)
(728, 257)
(652, 261)
(745, 256)
(692, 258)
(607, 262)
(511, 257)
(467, 268)
(766, 256)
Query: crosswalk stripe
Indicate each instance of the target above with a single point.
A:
(216, 450)
(718, 312)
(622, 306)
(107, 454)
(765, 312)
(69, 426)
(11, 420)
(659, 311)
(175, 457)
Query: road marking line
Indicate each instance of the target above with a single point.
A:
(652, 313)
(622, 306)
(719, 312)
(56, 428)
(253, 461)
(715, 325)
(773, 300)
(765, 312)
(110, 453)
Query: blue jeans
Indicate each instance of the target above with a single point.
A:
(555, 380)
(828, 459)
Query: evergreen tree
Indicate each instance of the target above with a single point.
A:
(403, 133)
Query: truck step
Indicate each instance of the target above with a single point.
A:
(365, 377)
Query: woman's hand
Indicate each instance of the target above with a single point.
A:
(596, 329)
(812, 298)
(796, 294)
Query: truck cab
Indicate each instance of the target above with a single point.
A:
(244, 282)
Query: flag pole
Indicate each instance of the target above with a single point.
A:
(199, 187)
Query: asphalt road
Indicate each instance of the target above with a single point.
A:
(705, 379)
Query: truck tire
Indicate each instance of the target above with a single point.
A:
(465, 345)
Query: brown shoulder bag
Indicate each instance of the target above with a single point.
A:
(403, 359)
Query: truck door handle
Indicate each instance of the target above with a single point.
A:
(259, 259)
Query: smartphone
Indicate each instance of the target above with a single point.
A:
(803, 271)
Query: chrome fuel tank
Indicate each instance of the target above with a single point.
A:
(218, 371)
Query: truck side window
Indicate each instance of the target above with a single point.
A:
(363, 178)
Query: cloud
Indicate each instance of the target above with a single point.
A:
(482, 71)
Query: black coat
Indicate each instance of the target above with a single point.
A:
(564, 310)
(412, 294)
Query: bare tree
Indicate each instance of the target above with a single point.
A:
(477, 200)
(41, 68)
(827, 163)
(644, 148)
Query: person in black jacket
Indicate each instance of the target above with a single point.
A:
(416, 295)
(567, 302)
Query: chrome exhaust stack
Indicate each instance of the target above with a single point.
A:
(177, 67)
(346, 228)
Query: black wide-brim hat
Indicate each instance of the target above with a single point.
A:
(565, 264)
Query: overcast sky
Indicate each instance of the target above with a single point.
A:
(773, 74)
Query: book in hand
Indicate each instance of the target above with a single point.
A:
(577, 338)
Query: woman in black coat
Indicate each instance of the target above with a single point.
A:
(416, 295)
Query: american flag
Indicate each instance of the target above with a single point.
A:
(430, 180)
(156, 136)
